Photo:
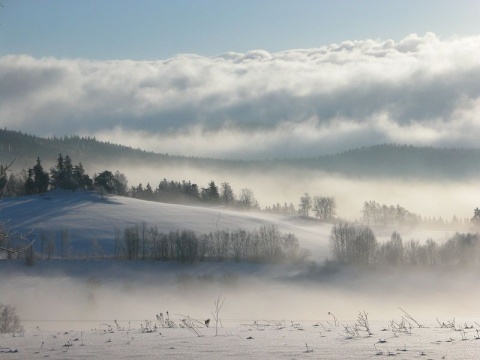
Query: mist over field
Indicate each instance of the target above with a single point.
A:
(72, 296)
(95, 292)
(287, 184)
(239, 179)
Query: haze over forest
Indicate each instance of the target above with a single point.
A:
(315, 104)
(300, 159)
(390, 174)
(391, 118)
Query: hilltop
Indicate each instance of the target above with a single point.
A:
(91, 220)
(378, 161)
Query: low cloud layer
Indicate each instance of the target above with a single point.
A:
(421, 90)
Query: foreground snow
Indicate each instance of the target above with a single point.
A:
(249, 340)
(68, 310)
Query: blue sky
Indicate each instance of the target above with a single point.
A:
(243, 79)
(154, 29)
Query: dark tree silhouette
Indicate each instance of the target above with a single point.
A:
(106, 181)
(9, 240)
(476, 216)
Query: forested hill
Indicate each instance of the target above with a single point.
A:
(389, 160)
(83, 149)
(400, 161)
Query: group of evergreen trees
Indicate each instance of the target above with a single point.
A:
(168, 191)
(285, 209)
(111, 183)
(64, 175)
(186, 192)
(38, 180)
(356, 244)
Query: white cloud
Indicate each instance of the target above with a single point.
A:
(421, 90)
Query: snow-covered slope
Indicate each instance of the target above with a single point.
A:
(272, 311)
(88, 217)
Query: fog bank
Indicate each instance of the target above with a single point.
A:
(89, 293)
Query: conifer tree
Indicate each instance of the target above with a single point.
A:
(40, 177)
(29, 183)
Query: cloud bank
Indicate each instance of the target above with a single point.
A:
(421, 90)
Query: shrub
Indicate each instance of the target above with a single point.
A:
(9, 320)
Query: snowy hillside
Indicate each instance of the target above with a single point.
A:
(88, 217)
(87, 308)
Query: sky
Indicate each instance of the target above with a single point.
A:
(243, 79)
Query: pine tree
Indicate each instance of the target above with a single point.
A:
(211, 194)
(148, 193)
(40, 178)
(83, 180)
(29, 183)
(57, 173)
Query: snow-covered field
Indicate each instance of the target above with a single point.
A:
(264, 340)
(271, 311)
(69, 310)
(87, 216)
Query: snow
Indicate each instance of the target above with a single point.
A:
(264, 340)
(87, 216)
(271, 311)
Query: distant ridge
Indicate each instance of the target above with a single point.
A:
(400, 161)
(80, 149)
(386, 160)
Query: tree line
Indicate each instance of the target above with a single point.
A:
(65, 175)
(186, 192)
(376, 214)
(392, 160)
(146, 243)
(266, 245)
(351, 244)
(356, 244)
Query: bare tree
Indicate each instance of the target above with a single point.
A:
(116, 232)
(66, 247)
(9, 320)
(227, 195)
(391, 252)
(9, 239)
(305, 205)
(143, 232)
(324, 207)
(247, 199)
(132, 242)
(216, 313)
(353, 244)
(412, 252)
